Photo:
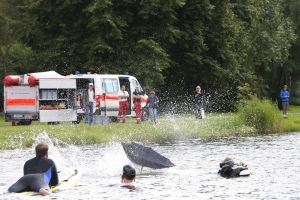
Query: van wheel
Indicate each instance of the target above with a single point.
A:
(24, 122)
(145, 114)
(79, 118)
(112, 119)
(53, 123)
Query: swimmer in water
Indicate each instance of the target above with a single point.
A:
(127, 178)
(227, 170)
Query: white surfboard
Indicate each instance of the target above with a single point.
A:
(68, 178)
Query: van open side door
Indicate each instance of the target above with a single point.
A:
(125, 81)
(110, 100)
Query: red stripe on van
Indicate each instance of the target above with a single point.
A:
(111, 97)
(20, 102)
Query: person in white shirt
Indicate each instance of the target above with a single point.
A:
(88, 104)
(123, 104)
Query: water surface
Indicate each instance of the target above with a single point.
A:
(273, 160)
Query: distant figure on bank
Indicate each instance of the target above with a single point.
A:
(285, 97)
(123, 104)
(137, 102)
(198, 102)
(88, 104)
(152, 103)
(40, 173)
(228, 171)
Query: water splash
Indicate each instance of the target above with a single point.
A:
(62, 153)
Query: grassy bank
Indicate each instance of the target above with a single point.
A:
(168, 129)
(292, 123)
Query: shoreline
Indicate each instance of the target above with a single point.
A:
(169, 128)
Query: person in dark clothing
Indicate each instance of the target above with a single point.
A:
(137, 95)
(88, 103)
(227, 170)
(152, 103)
(198, 102)
(40, 173)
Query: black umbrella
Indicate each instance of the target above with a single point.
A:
(145, 156)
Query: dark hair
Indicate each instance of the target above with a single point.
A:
(41, 149)
(128, 172)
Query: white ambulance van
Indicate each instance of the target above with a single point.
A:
(106, 87)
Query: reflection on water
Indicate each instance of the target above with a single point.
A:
(273, 160)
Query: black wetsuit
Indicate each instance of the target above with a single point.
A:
(39, 172)
(228, 172)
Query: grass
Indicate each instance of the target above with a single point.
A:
(170, 128)
(292, 123)
(294, 109)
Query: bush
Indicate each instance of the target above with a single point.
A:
(263, 115)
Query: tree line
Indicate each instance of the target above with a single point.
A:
(171, 46)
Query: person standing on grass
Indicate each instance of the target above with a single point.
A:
(285, 97)
(198, 102)
(137, 95)
(152, 103)
(123, 104)
(88, 104)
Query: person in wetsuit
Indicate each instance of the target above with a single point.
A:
(227, 170)
(40, 173)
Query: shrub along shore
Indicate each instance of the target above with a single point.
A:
(170, 128)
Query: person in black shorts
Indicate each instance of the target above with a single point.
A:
(284, 96)
(40, 173)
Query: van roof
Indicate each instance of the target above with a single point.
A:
(98, 75)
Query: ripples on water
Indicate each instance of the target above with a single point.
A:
(273, 160)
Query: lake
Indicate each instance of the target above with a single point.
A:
(272, 159)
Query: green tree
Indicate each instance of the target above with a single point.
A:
(10, 34)
(265, 45)
(135, 37)
(15, 57)
(290, 71)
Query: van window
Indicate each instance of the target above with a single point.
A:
(83, 83)
(135, 83)
(111, 85)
